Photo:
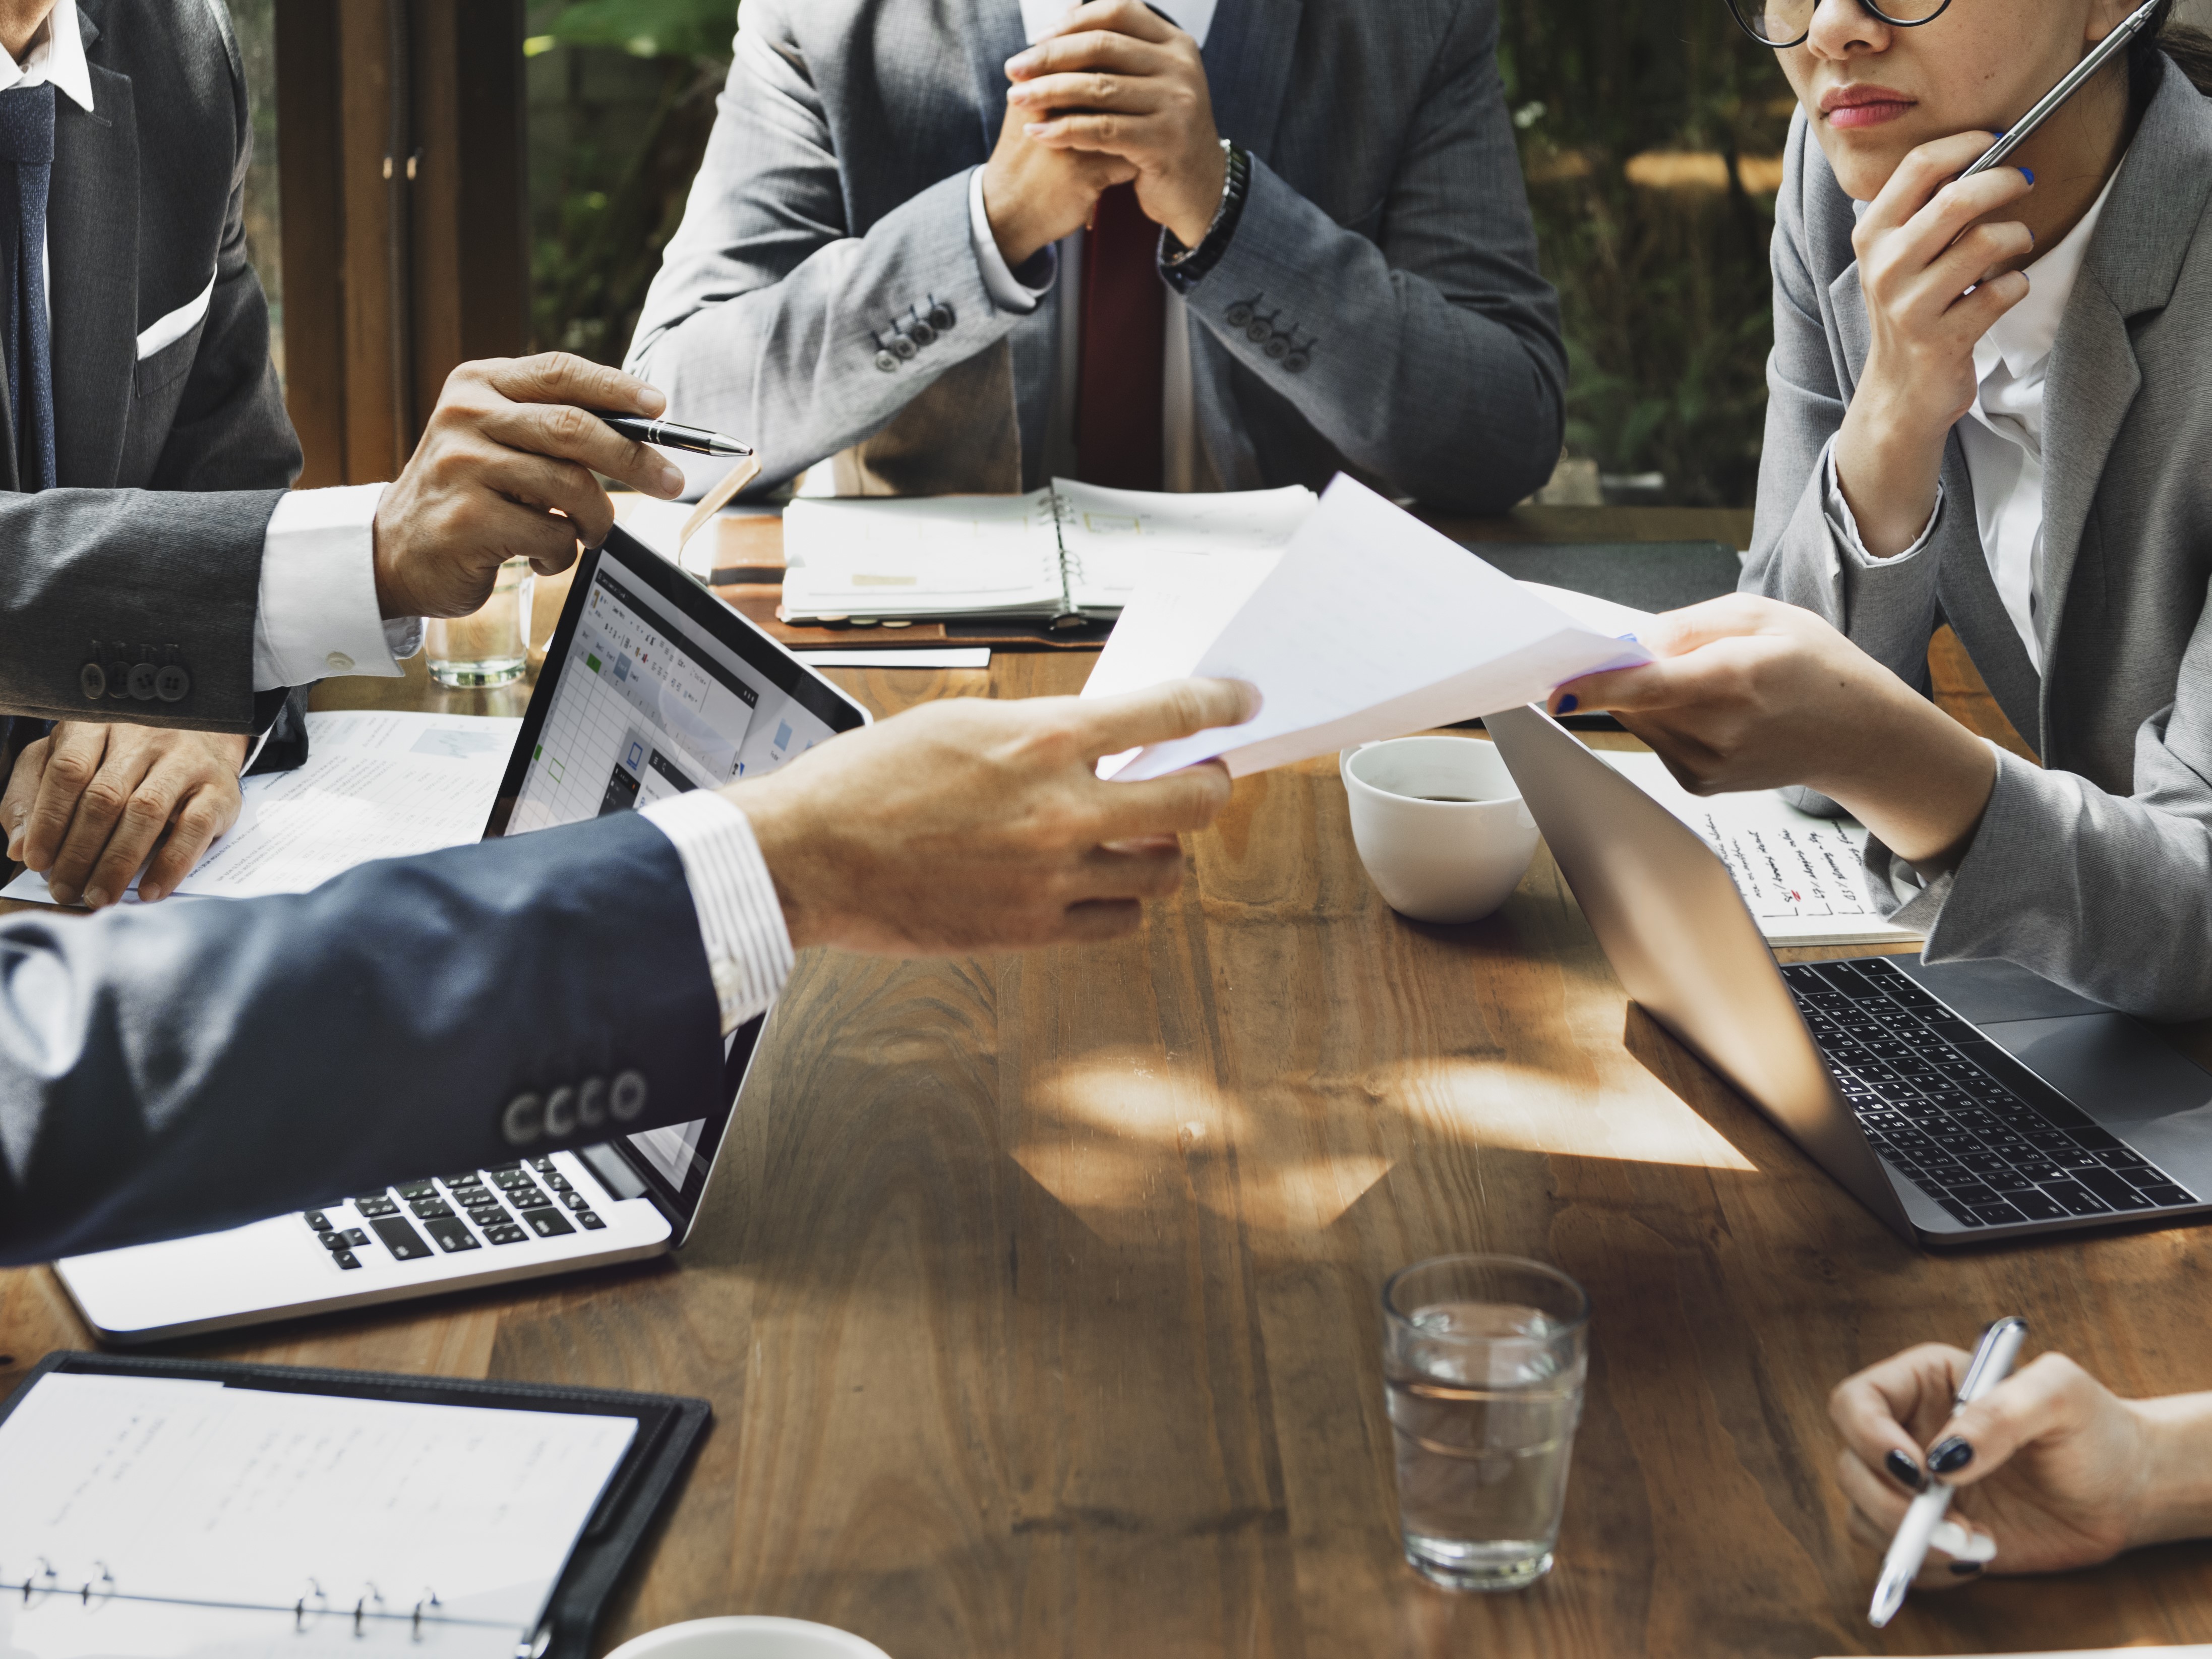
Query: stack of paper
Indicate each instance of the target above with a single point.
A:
(1369, 625)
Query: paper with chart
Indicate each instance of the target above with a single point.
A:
(1370, 624)
(1067, 549)
(1803, 877)
(378, 784)
(157, 1517)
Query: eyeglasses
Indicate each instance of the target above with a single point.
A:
(1781, 23)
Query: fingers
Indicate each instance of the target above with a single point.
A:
(2052, 1395)
(74, 751)
(1125, 95)
(22, 790)
(206, 813)
(1182, 803)
(1131, 872)
(566, 433)
(1090, 54)
(1921, 175)
(561, 377)
(1098, 920)
(537, 481)
(1877, 1411)
(1124, 17)
(112, 807)
(1177, 708)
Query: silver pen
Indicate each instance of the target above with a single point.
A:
(693, 440)
(1993, 1360)
(2074, 79)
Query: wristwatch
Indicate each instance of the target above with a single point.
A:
(1185, 267)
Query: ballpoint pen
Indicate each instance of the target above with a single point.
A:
(2102, 53)
(1991, 1363)
(694, 439)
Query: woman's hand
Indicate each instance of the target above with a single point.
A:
(2050, 1464)
(1933, 280)
(88, 802)
(1754, 694)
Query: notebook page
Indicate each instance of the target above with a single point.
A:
(1117, 540)
(178, 1490)
(921, 555)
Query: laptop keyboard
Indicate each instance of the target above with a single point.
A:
(1957, 1115)
(507, 1204)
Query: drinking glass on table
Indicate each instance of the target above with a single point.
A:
(1484, 1358)
(490, 646)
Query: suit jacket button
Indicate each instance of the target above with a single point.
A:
(141, 681)
(1298, 362)
(1279, 348)
(171, 683)
(591, 1103)
(561, 1113)
(1240, 315)
(886, 362)
(626, 1099)
(903, 348)
(942, 317)
(1259, 333)
(921, 332)
(92, 680)
(523, 1120)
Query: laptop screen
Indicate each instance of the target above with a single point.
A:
(651, 687)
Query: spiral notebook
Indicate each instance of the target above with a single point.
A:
(226, 1511)
(1068, 551)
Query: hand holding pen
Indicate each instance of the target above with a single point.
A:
(2050, 1470)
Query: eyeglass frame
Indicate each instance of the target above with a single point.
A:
(1736, 11)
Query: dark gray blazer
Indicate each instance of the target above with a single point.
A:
(185, 1067)
(147, 203)
(2096, 871)
(1386, 234)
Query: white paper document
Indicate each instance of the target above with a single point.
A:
(152, 1518)
(1370, 624)
(1803, 877)
(378, 784)
(951, 656)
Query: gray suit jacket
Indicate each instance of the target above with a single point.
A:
(2097, 870)
(1386, 224)
(146, 204)
(192, 1065)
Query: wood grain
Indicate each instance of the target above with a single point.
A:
(1037, 1296)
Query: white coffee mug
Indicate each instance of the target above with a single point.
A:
(748, 1637)
(1440, 825)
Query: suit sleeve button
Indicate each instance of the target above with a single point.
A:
(92, 680)
(626, 1098)
(141, 681)
(942, 317)
(886, 362)
(903, 348)
(523, 1120)
(1298, 362)
(171, 684)
(561, 1113)
(921, 332)
(1278, 349)
(591, 1103)
(1240, 315)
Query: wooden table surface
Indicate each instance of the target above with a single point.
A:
(1037, 1296)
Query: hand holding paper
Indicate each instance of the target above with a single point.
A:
(1370, 624)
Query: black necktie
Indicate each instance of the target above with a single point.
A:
(26, 169)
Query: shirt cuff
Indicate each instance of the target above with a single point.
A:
(318, 613)
(1845, 525)
(740, 918)
(1008, 292)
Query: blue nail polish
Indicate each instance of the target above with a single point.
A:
(1950, 1457)
(2028, 173)
(1569, 703)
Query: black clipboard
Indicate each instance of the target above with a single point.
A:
(669, 1429)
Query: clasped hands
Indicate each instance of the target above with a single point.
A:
(1113, 93)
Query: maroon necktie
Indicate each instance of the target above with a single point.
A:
(1124, 318)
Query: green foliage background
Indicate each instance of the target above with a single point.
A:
(1664, 291)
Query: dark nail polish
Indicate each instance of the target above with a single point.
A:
(1965, 1569)
(2028, 173)
(1569, 703)
(1949, 1456)
(1903, 1470)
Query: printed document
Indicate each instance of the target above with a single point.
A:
(156, 1517)
(1803, 877)
(1370, 624)
(378, 784)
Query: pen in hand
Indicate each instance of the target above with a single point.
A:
(1993, 1360)
(668, 435)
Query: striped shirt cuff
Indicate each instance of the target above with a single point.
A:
(741, 919)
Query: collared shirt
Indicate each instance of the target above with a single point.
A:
(2003, 433)
(1181, 463)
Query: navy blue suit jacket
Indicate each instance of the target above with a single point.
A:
(203, 1063)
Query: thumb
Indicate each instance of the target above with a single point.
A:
(2048, 1397)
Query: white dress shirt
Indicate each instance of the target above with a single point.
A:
(318, 612)
(1183, 466)
(2003, 433)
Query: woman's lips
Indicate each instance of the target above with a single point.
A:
(1863, 105)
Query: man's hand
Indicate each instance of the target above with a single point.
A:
(504, 472)
(1753, 693)
(1034, 195)
(88, 802)
(976, 825)
(1115, 78)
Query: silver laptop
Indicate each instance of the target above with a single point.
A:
(1961, 1103)
(652, 687)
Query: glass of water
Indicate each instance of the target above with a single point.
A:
(1484, 1358)
(491, 646)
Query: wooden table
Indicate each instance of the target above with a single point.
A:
(1037, 1296)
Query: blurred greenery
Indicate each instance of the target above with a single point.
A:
(1661, 266)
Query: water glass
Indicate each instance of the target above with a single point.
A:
(490, 648)
(1484, 1358)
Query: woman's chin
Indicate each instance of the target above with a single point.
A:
(1862, 159)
